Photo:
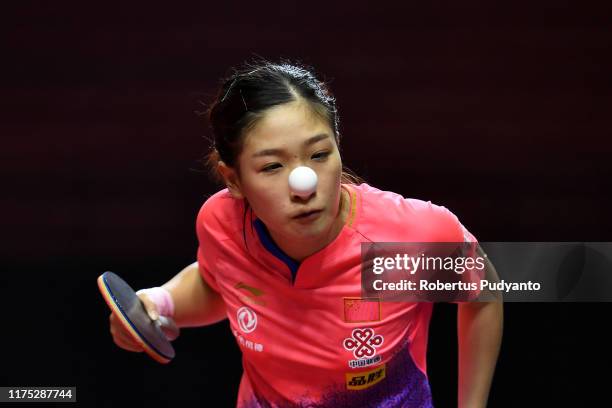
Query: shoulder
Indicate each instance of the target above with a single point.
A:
(220, 215)
(407, 218)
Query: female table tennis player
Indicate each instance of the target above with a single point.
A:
(281, 260)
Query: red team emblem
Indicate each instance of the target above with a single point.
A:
(363, 343)
(247, 319)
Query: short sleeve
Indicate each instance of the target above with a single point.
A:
(454, 231)
(219, 221)
(204, 268)
(206, 253)
(473, 275)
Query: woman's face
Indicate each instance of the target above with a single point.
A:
(288, 136)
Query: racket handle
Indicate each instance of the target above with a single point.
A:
(168, 327)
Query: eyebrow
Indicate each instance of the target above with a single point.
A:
(278, 152)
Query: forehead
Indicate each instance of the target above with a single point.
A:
(286, 124)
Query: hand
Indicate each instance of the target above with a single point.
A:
(124, 340)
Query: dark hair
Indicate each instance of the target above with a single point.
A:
(249, 91)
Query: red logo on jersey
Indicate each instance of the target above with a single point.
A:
(363, 343)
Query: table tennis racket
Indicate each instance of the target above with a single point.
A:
(127, 307)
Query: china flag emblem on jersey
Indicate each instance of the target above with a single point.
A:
(361, 310)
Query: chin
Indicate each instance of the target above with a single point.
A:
(316, 230)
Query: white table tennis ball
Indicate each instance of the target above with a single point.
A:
(303, 181)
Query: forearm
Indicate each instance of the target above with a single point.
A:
(195, 303)
(479, 327)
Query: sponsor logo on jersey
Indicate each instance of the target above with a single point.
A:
(365, 379)
(252, 290)
(247, 319)
(251, 300)
(363, 342)
(249, 344)
(364, 362)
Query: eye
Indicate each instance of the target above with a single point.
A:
(321, 155)
(271, 167)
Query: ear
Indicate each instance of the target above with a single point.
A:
(230, 177)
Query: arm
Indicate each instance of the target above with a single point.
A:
(195, 302)
(479, 328)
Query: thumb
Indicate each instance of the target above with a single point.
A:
(149, 306)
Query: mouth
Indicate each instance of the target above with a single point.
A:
(306, 214)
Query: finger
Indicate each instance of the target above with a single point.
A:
(169, 327)
(149, 306)
(122, 337)
(116, 328)
(125, 338)
(128, 345)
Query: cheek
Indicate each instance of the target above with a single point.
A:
(266, 195)
(331, 175)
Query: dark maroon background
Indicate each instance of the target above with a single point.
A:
(499, 112)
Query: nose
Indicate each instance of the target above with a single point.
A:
(303, 182)
(302, 199)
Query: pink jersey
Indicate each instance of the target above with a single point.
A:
(306, 335)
